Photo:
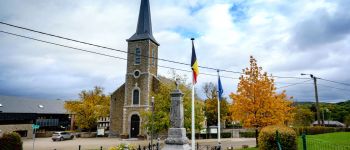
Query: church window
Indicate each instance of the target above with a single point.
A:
(136, 97)
(137, 56)
(136, 73)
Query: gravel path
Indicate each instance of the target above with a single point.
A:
(96, 143)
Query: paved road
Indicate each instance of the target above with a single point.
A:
(96, 143)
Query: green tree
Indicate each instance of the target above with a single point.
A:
(303, 117)
(347, 120)
(90, 106)
(162, 104)
(211, 105)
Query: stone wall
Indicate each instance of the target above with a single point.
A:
(17, 127)
(143, 83)
(122, 107)
(116, 112)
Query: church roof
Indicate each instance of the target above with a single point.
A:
(144, 24)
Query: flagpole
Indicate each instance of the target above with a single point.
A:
(193, 137)
(219, 135)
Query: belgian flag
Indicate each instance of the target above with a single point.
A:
(194, 64)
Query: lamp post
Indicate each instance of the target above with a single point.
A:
(152, 122)
(316, 97)
(329, 114)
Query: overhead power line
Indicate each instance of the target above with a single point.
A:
(347, 84)
(347, 90)
(294, 84)
(121, 58)
(113, 49)
(102, 54)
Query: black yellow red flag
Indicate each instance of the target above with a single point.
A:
(194, 64)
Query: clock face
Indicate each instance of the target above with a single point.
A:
(136, 73)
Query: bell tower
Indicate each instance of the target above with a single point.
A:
(141, 69)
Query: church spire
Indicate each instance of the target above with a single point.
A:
(144, 24)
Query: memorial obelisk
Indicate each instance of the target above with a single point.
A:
(177, 139)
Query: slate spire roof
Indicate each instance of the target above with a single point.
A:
(144, 24)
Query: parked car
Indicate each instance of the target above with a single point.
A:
(60, 136)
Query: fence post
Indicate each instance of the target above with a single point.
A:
(304, 140)
(149, 146)
(139, 147)
(278, 141)
(79, 147)
(197, 148)
(158, 145)
(219, 147)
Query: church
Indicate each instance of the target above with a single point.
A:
(141, 79)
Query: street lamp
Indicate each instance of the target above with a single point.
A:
(152, 122)
(316, 97)
(329, 114)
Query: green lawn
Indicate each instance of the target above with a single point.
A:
(329, 141)
(342, 138)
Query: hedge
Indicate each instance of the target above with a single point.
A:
(267, 138)
(210, 135)
(11, 141)
(248, 134)
(319, 130)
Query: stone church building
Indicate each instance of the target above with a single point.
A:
(134, 96)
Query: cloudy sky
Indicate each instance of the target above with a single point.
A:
(286, 37)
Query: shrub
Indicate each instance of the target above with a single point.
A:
(226, 135)
(319, 130)
(122, 147)
(11, 141)
(248, 134)
(267, 138)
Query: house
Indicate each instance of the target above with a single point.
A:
(329, 123)
(18, 114)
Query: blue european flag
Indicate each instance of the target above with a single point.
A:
(220, 90)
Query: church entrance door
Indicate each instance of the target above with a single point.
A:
(135, 126)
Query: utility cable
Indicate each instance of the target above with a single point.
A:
(104, 47)
(294, 84)
(347, 84)
(102, 54)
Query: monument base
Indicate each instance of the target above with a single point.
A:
(177, 147)
(176, 140)
(176, 136)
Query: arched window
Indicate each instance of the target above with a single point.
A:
(136, 97)
(137, 56)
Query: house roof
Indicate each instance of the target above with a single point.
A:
(328, 122)
(144, 24)
(10, 104)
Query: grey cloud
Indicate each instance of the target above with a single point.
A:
(321, 27)
(34, 69)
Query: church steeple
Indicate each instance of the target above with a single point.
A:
(144, 24)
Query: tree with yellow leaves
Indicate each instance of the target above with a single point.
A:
(91, 105)
(256, 102)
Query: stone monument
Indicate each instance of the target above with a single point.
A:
(177, 139)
